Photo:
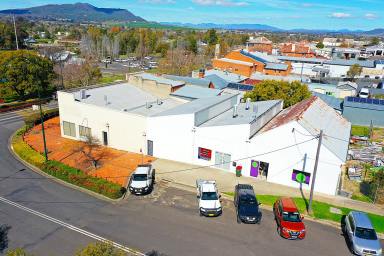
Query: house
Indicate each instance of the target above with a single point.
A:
(156, 85)
(361, 111)
(246, 63)
(223, 131)
(259, 44)
(331, 42)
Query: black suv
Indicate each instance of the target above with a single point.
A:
(247, 207)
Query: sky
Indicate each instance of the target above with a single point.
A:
(286, 14)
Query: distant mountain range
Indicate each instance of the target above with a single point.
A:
(79, 12)
(262, 27)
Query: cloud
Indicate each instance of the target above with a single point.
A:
(340, 15)
(219, 2)
(370, 16)
(307, 4)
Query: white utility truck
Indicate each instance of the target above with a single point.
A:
(209, 198)
(142, 180)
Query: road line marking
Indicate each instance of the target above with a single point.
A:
(71, 227)
(12, 117)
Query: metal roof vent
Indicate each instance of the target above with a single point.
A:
(83, 94)
(235, 111)
(159, 102)
(248, 104)
(148, 105)
(106, 100)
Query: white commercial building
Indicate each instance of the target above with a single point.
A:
(263, 140)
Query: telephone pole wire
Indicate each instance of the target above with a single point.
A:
(315, 171)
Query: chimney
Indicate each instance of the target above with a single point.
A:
(235, 113)
(202, 73)
(248, 104)
(83, 94)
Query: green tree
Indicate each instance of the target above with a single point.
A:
(18, 252)
(100, 249)
(354, 70)
(290, 92)
(211, 37)
(24, 72)
(320, 45)
(375, 41)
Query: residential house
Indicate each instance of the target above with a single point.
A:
(259, 44)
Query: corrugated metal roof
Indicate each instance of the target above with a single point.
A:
(197, 105)
(227, 76)
(301, 59)
(315, 115)
(276, 66)
(250, 64)
(190, 80)
(333, 102)
(193, 92)
(217, 81)
(160, 79)
(342, 62)
(254, 57)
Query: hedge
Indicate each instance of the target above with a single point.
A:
(64, 172)
(20, 105)
(34, 119)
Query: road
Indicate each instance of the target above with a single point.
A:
(166, 221)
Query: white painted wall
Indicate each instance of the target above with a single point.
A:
(125, 130)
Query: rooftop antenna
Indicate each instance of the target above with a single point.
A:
(14, 26)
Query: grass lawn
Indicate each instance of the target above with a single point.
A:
(321, 210)
(109, 78)
(360, 130)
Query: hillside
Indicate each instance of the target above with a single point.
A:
(79, 12)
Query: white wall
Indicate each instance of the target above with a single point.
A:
(125, 130)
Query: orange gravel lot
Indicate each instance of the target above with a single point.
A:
(115, 165)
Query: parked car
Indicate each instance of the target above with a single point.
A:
(361, 234)
(209, 198)
(247, 207)
(289, 221)
(364, 93)
(142, 180)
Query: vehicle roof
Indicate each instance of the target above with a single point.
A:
(361, 220)
(288, 205)
(208, 187)
(142, 170)
(245, 190)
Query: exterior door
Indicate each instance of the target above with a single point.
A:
(222, 160)
(105, 138)
(150, 147)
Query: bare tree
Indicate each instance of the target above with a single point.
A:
(116, 47)
(80, 75)
(92, 150)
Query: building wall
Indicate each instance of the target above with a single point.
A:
(175, 139)
(236, 55)
(277, 72)
(239, 69)
(260, 47)
(125, 131)
(157, 89)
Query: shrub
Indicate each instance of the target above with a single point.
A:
(64, 172)
(34, 119)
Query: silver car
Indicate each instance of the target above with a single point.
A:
(361, 234)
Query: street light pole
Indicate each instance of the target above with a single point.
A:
(315, 171)
(42, 127)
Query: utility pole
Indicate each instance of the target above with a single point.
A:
(315, 171)
(14, 26)
(42, 127)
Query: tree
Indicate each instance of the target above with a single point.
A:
(4, 237)
(354, 70)
(179, 62)
(100, 249)
(290, 92)
(7, 34)
(375, 41)
(24, 72)
(81, 75)
(18, 252)
(320, 45)
(92, 150)
(211, 37)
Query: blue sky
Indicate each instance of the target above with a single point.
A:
(287, 14)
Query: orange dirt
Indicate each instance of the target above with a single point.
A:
(115, 165)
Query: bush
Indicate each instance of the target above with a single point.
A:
(34, 119)
(64, 172)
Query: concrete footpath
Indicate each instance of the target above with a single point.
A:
(186, 174)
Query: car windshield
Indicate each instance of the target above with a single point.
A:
(363, 93)
(139, 177)
(291, 216)
(209, 196)
(365, 233)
